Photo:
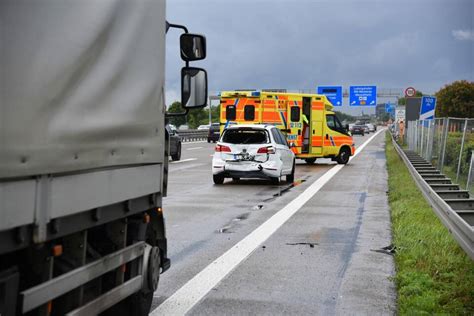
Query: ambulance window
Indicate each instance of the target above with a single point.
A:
(333, 122)
(330, 121)
(338, 123)
(295, 113)
(230, 114)
(249, 113)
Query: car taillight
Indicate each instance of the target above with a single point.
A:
(266, 150)
(222, 148)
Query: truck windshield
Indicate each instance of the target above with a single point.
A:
(245, 136)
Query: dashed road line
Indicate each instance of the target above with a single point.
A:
(184, 160)
(196, 142)
(194, 148)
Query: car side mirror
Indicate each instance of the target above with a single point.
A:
(192, 46)
(193, 87)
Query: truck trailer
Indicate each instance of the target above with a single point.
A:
(84, 153)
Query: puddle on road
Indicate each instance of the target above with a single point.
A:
(310, 244)
(258, 207)
(227, 229)
(241, 217)
(285, 189)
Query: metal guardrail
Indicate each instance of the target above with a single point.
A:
(453, 206)
(190, 135)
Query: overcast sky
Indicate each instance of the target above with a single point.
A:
(300, 44)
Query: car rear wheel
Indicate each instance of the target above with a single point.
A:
(235, 178)
(275, 180)
(310, 161)
(218, 179)
(177, 155)
(344, 156)
(291, 177)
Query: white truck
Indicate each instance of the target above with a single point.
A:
(84, 153)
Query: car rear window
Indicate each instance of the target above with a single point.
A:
(245, 136)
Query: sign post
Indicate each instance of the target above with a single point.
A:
(363, 95)
(333, 93)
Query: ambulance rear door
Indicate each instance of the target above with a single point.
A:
(317, 127)
(240, 110)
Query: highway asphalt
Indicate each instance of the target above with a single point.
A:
(323, 260)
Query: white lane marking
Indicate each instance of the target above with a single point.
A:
(195, 289)
(186, 166)
(194, 148)
(184, 160)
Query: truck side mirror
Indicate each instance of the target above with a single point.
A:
(192, 46)
(193, 87)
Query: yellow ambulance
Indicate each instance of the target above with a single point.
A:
(311, 127)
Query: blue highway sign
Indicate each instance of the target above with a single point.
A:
(427, 109)
(389, 108)
(363, 95)
(333, 93)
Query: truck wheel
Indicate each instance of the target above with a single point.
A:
(177, 156)
(218, 179)
(310, 161)
(291, 177)
(344, 156)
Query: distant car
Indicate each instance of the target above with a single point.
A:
(253, 151)
(214, 132)
(183, 127)
(357, 129)
(175, 142)
(371, 127)
(203, 127)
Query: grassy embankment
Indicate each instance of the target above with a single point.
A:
(434, 275)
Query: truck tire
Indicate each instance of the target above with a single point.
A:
(218, 179)
(310, 161)
(177, 155)
(291, 177)
(343, 157)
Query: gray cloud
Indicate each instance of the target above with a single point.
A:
(463, 35)
(301, 44)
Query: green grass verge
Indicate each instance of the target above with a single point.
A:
(434, 275)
